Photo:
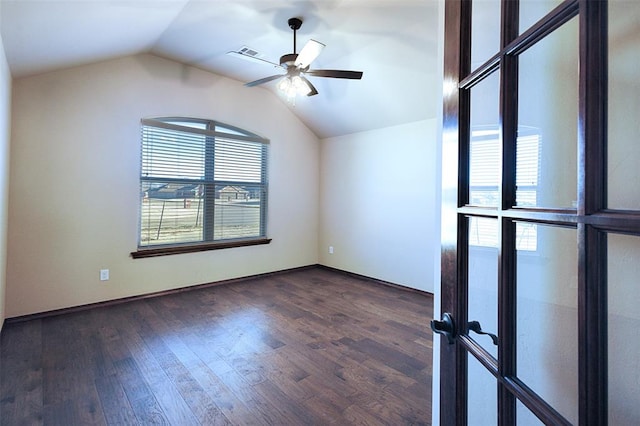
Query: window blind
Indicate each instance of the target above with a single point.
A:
(527, 169)
(484, 178)
(201, 181)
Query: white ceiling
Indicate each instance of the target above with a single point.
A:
(394, 42)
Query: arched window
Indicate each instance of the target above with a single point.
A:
(203, 185)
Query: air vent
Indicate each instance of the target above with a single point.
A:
(249, 52)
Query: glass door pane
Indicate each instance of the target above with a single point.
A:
(482, 395)
(533, 10)
(525, 417)
(624, 105)
(484, 160)
(485, 31)
(547, 318)
(623, 324)
(547, 113)
(483, 279)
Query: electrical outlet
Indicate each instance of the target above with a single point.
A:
(330, 249)
(104, 274)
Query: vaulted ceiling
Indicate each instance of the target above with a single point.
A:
(394, 42)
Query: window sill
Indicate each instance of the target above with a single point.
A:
(193, 248)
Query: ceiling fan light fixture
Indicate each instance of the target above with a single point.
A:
(301, 87)
(291, 86)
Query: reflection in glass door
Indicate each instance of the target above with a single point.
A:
(537, 239)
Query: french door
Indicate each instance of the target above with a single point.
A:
(541, 213)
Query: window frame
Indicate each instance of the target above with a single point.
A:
(207, 241)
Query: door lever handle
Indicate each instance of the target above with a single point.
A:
(475, 326)
(446, 327)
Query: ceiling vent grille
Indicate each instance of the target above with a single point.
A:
(244, 50)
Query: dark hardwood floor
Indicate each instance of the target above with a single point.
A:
(306, 347)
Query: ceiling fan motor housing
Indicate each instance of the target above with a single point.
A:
(288, 60)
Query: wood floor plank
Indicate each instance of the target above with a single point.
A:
(320, 364)
(21, 374)
(144, 403)
(115, 405)
(289, 410)
(59, 413)
(390, 356)
(326, 403)
(356, 415)
(175, 408)
(219, 392)
(68, 386)
(202, 406)
(304, 347)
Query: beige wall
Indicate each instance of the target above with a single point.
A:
(379, 206)
(5, 121)
(73, 199)
(74, 188)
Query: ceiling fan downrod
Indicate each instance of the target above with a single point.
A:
(295, 24)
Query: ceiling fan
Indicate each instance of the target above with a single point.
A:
(296, 67)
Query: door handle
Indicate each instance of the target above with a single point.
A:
(475, 326)
(446, 327)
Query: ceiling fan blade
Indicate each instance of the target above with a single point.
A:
(264, 80)
(352, 75)
(253, 59)
(312, 88)
(309, 53)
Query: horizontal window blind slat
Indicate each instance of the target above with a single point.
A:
(484, 178)
(199, 185)
(156, 124)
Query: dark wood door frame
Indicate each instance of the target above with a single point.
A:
(591, 217)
